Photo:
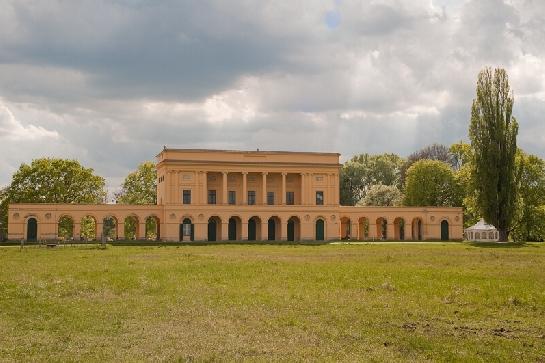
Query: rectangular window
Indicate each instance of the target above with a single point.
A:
(211, 197)
(251, 197)
(270, 198)
(232, 197)
(319, 198)
(290, 198)
(187, 196)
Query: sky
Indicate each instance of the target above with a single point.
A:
(109, 83)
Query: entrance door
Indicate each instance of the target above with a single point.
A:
(212, 230)
(271, 229)
(291, 230)
(319, 230)
(251, 230)
(232, 229)
(32, 230)
(444, 231)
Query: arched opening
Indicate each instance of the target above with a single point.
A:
(399, 229)
(88, 230)
(273, 229)
(65, 228)
(444, 230)
(363, 228)
(235, 229)
(254, 229)
(187, 230)
(382, 228)
(130, 228)
(214, 228)
(345, 228)
(294, 229)
(416, 227)
(32, 229)
(320, 230)
(109, 228)
(490, 235)
(153, 226)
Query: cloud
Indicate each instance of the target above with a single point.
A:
(111, 82)
(12, 129)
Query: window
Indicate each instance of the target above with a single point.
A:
(290, 198)
(211, 197)
(251, 197)
(270, 198)
(319, 198)
(232, 197)
(187, 196)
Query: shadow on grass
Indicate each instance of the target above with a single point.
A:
(499, 244)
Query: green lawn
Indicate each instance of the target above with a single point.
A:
(382, 302)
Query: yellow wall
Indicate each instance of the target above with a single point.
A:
(203, 170)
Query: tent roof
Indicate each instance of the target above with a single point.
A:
(482, 225)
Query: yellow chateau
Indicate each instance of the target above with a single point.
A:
(218, 195)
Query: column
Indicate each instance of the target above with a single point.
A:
(284, 230)
(141, 229)
(120, 230)
(224, 189)
(303, 189)
(224, 231)
(336, 188)
(390, 231)
(167, 187)
(204, 187)
(372, 232)
(244, 231)
(310, 198)
(264, 188)
(354, 230)
(77, 231)
(245, 193)
(284, 189)
(99, 230)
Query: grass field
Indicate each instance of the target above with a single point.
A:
(380, 302)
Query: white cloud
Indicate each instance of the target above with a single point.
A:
(12, 129)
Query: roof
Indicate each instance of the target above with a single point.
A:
(248, 151)
(482, 225)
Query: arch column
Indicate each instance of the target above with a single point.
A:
(77, 231)
(284, 230)
(224, 231)
(99, 225)
(354, 229)
(141, 229)
(120, 229)
(390, 230)
(244, 231)
(372, 233)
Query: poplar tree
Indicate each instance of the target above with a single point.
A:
(493, 134)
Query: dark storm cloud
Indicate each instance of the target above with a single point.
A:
(111, 82)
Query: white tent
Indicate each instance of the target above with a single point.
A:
(482, 232)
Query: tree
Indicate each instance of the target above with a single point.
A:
(432, 183)
(140, 186)
(430, 152)
(50, 180)
(529, 222)
(462, 154)
(382, 195)
(362, 171)
(493, 134)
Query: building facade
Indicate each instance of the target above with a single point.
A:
(218, 195)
